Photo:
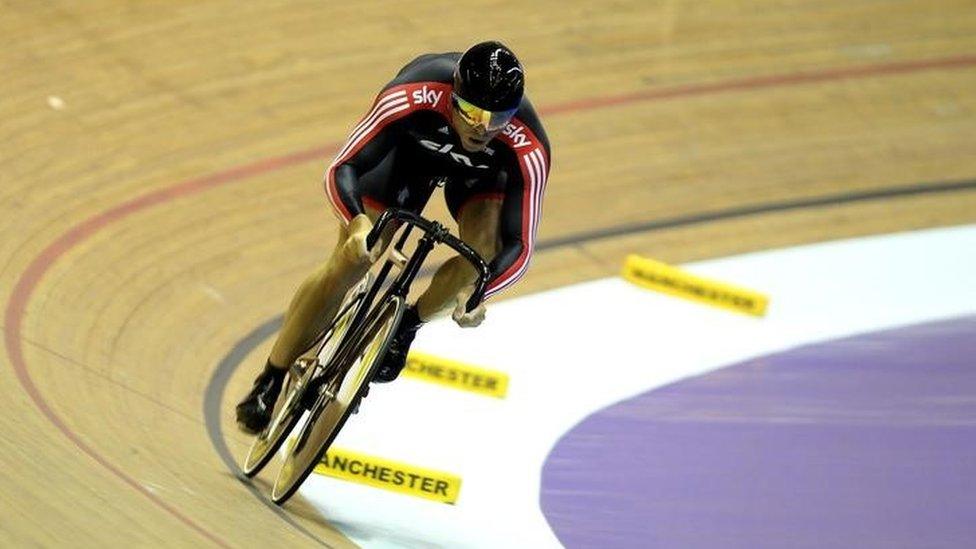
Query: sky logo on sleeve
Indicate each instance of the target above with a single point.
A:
(427, 96)
(517, 135)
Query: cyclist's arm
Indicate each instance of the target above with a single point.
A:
(521, 208)
(342, 182)
(370, 141)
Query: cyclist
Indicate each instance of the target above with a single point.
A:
(461, 119)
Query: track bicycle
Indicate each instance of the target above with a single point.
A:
(326, 384)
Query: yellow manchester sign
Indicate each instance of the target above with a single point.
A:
(390, 475)
(674, 281)
(456, 375)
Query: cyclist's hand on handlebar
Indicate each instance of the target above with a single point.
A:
(355, 246)
(464, 318)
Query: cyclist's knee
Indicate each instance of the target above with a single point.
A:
(462, 270)
(348, 266)
(486, 245)
(337, 271)
(483, 239)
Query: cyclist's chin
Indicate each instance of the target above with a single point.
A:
(474, 144)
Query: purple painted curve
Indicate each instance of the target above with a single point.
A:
(868, 441)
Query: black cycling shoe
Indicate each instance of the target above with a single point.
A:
(396, 355)
(254, 412)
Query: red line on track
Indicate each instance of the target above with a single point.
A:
(41, 264)
(771, 81)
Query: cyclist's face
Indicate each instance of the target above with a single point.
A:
(474, 137)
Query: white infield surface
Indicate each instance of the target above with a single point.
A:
(572, 351)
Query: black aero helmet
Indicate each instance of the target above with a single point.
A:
(490, 76)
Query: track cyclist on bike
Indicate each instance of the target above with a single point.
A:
(458, 118)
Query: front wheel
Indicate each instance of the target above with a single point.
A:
(337, 400)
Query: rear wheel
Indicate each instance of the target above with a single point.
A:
(289, 409)
(337, 400)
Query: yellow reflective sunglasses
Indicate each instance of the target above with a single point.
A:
(476, 116)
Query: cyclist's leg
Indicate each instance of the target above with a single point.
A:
(318, 298)
(478, 225)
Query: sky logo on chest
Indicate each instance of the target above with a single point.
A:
(448, 149)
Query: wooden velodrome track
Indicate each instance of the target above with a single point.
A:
(171, 201)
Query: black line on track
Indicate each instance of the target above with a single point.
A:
(213, 399)
(745, 211)
(213, 403)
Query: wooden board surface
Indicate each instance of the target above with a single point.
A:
(160, 168)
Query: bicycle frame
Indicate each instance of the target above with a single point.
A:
(434, 233)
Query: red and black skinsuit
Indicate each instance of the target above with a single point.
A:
(407, 139)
